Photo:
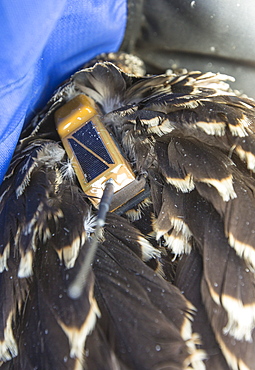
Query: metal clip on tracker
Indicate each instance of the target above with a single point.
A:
(95, 156)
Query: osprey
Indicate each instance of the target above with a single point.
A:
(171, 280)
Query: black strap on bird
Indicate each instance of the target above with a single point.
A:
(76, 288)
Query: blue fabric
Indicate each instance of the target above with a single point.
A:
(42, 43)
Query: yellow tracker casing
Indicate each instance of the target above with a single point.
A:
(92, 151)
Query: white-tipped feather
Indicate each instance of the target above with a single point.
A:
(148, 251)
(8, 346)
(77, 335)
(4, 258)
(212, 128)
(241, 318)
(185, 185)
(223, 186)
(26, 265)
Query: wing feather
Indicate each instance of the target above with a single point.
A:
(152, 329)
(42, 247)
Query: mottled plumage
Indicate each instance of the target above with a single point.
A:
(172, 284)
